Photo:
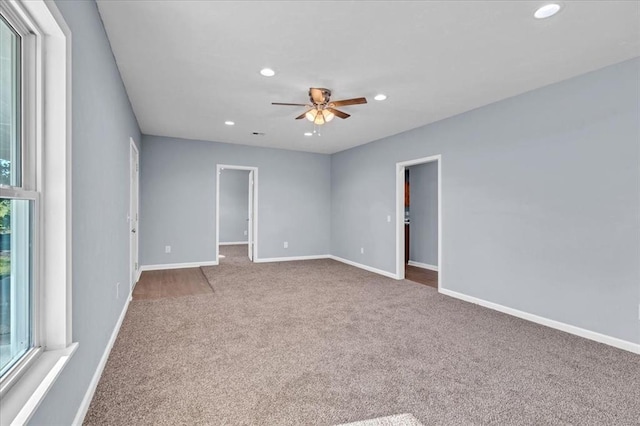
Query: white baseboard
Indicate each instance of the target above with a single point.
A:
(88, 396)
(423, 265)
(365, 267)
(177, 266)
(288, 259)
(236, 243)
(571, 329)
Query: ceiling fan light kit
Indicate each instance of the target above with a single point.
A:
(319, 116)
(322, 109)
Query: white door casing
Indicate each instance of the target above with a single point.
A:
(252, 230)
(250, 218)
(400, 169)
(134, 213)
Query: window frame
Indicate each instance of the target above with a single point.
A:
(26, 189)
(47, 174)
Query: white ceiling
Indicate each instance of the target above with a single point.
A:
(190, 65)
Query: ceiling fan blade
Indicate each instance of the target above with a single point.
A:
(284, 103)
(345, 102)
(338, 113)
(317, 95)
(303, 114)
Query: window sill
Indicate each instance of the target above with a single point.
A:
(24, 397)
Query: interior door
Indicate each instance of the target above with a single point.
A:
(250, 217)
(133, 215)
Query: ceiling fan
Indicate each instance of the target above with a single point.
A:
(322, 109)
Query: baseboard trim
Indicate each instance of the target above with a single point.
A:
(365, 267)
(423, 265)
(292, 258)
(571, 329)
(177, 266)
(236, 243)
(88, 396)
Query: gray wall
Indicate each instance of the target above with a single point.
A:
(423, 213)
(103, 121)
(234, 205)
(541, 198)
(178, 181)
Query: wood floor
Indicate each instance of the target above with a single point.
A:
(171, 283)
(421, 275)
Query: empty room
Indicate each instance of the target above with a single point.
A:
(357, 213)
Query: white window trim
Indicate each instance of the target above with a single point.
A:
(53, 125)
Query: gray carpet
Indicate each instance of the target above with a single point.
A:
(322, 343)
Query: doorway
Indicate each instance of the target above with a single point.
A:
(237, 210)
(134, 194)
(419, 227)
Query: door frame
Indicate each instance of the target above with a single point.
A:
(251, 215)
(133, 281)
(219, 167)
(400, 188)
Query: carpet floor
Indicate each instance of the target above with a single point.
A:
(322, 343)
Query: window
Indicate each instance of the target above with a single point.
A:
(35, 148)
(17, 205)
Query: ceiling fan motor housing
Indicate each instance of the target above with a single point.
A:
(326, 95)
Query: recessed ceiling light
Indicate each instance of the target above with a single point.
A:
(308, 134)
(229, 123)
(380, 97)
(547, 11)
(267, 72)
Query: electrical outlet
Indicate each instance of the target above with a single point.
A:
(167, 249)
(117, 290)
(286, 244)
(245, 232)
(389, 218)
(361, 250)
